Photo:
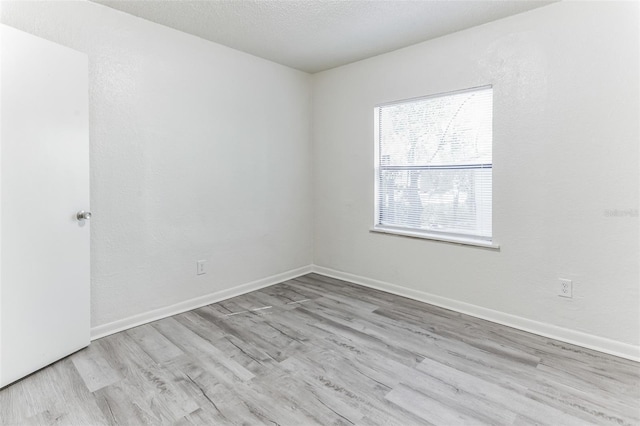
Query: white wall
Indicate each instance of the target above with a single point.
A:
(1, 323)
(566, 138)
(198, 151)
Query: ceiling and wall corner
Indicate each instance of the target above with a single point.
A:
(316, 35)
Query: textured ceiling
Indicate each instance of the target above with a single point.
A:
(315, 35)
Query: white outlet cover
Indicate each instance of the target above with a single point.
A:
(565, 288)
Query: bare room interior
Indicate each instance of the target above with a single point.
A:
(319, 212)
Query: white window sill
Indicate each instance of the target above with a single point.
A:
(436, 237)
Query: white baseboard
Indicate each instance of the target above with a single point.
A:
(178, 308)
(601, 344)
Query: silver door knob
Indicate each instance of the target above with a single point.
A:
(82, 215)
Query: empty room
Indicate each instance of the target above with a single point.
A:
(319, 212)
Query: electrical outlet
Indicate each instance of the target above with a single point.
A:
(565, 288)
(201, 267)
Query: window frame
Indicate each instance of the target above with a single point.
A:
(450, 237)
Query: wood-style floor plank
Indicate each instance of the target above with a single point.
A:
(319, 351)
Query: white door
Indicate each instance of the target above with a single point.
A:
(44, 182)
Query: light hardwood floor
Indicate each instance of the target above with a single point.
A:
(316, 350)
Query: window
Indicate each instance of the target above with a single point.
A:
(434, 166)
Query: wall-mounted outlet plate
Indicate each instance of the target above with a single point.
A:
(201, 267)
(565, 288)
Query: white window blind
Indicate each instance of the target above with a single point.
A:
(434, 164)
